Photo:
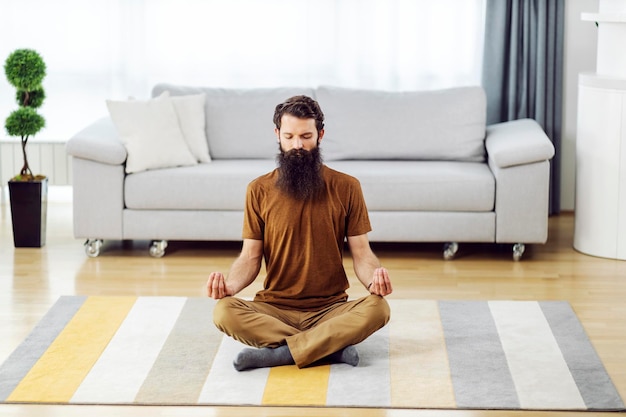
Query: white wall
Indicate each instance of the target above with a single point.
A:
(579, 56)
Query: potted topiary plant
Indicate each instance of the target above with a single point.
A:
(25, 70)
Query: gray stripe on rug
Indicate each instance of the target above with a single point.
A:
(478, 365)
(594, 384)
(36, 343)
(183, 364)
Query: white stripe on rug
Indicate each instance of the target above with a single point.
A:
(124, 364)
(225, 385)
(540, 373)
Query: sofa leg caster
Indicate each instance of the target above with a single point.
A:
(157, 248)
(92, 247)
(449, 250)
(518, 251)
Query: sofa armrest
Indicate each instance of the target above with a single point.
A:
(98, 142)
(519, 155)
(98, 199)
(517, 142)
(98, 181)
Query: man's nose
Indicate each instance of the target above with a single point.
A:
(297, 144)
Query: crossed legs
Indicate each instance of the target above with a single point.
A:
(288, 336)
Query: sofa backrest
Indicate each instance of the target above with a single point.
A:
(359, 124)
(425, 125)
(239, 121)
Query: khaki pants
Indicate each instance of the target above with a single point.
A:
(310, 335)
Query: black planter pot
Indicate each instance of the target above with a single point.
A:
(29, 207)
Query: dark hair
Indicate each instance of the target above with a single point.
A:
(303, 107)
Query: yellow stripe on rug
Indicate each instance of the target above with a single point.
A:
(61, 369)
(289, 385)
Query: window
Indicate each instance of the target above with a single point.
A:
(104, 49)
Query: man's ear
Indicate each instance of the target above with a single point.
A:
(320, 136)
(277, 134)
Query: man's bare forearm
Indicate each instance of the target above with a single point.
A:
(364, 267)
(243, 272)
(367, 267)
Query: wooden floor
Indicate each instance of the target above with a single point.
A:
(32, 279)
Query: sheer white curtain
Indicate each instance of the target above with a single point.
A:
(101, 49)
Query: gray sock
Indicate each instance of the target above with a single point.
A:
(251, 358)
(349, 355)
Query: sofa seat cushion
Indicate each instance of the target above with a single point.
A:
(423, 185)
(387, 185)
(218, 185)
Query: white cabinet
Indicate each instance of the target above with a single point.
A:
(600, 212)
(600, 222)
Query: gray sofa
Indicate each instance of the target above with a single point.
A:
(429, 167)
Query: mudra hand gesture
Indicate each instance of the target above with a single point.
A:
(216, 286)
(381, 284)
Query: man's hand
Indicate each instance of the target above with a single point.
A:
(381, 284)
(216, 286)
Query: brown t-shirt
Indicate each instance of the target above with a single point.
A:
(303, 240)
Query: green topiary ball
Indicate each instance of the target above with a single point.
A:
(35, 98)
(25, 69)
(24, 121)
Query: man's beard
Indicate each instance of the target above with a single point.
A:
(300, 173)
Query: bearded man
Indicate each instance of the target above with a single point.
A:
(297, 218)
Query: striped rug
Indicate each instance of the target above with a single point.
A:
(433, 354)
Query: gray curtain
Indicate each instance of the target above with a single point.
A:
(523, 69)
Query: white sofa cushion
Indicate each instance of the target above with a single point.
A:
(219, 185)
(239, 121)
(150, 131)
(387, 185)
(422, 125)
(191, 117)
